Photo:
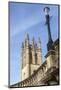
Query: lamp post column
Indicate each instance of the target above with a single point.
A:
(50, 41)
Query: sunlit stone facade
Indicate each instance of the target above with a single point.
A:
(37, 74)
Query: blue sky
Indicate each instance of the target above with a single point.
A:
(28, 18)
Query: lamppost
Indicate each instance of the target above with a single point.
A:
(50, 45)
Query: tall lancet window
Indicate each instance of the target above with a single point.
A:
(35, 58)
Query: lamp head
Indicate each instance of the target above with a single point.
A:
(46, 10)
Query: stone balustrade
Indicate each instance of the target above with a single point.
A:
(43, 73)
(37, 77)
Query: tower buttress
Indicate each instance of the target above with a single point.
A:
(26, 59)
(33, 51)
(27, 48)
(39, 53)
(22, 53)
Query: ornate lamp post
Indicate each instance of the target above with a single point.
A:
(50, 41)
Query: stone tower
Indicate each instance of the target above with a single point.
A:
(31, 57)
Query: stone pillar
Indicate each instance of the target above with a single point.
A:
(51, 57)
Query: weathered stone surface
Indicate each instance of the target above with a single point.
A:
(44, 74)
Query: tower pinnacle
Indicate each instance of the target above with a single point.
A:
(33, 42)
(27, 40)
(39, 43)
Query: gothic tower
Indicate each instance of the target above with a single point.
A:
(31, 57)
